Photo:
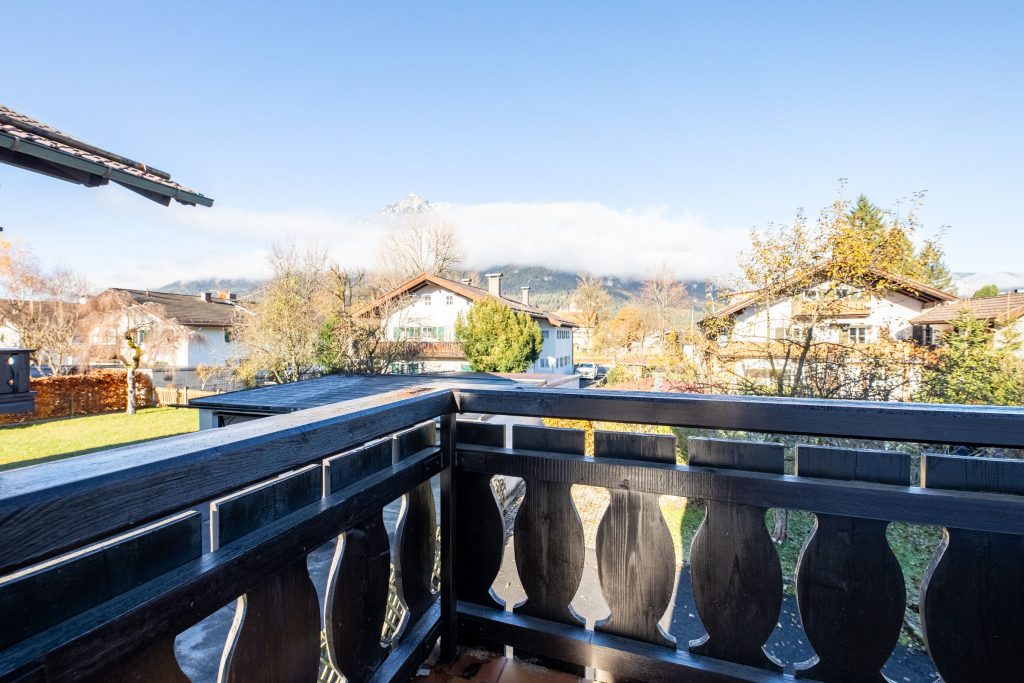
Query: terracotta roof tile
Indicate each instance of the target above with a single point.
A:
(999, 308)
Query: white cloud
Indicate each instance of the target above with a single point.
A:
(589, 236)
(575, 236)
(182, 243)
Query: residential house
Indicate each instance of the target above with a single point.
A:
(206, 324)
(424, 309)
(857, 317)
(1004, 313)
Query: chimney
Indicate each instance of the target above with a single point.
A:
(526, 295)
(494, 284)
(206, 296)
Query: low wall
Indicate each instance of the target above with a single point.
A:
(102, 391)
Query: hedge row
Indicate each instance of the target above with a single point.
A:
(102, 391)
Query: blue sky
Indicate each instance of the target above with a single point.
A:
(672, 127)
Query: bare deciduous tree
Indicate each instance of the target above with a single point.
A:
(278, 335)
(419, 243)
(42, 307)
(117, 328)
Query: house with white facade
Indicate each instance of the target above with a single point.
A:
(856, 316)
(424, 310)
(202, 333)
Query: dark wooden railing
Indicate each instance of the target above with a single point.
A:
(103, 560)
(15, 394)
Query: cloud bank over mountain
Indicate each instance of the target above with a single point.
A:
(569, 235)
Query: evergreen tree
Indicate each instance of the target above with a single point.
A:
(867, 231)
(933, 268)
(497, 339)
(972, 369)
(987, 290)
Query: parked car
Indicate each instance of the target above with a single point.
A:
(586, 370)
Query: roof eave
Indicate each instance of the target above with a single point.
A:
(101, 174)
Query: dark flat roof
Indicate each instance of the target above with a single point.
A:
(310, 393)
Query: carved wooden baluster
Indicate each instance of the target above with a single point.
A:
(635, 557)
(416, 532)
(480, 525)
(972, 596)
(849, 584)
(548, 532)
(276, 632)
(357, 587)
(737, 577)
(36, 600)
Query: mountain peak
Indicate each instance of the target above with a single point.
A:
(410, 204)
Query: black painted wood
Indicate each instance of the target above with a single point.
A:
(548, 538)
(416, 532)
(635, 557)
(960, 509)
(40, 598)
(45, 596)
(355, 602)
(449, 543)
(275, 635)
(883, 420)
(972, 596)
(849, 585)
(624, 658)
(481, 524)
(63, 505)
(735, 569)
(414, 648)
(94, 642)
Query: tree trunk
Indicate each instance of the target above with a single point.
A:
(130, 404)
(780, 529)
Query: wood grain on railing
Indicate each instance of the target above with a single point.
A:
(416, 533)
(275, 635)
(849, 584)
(972, 596)
(635, 557)
(548, 532)
(355, 602)
(481, 523)
(737, 577)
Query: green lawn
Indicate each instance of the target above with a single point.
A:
(41, 441)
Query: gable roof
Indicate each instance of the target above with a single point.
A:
(468, 291)
(187, 309)
(38, 147)
(1002, 308)
(914, 288)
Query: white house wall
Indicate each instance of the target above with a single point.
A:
(439, 313)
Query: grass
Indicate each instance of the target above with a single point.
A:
(32, 444)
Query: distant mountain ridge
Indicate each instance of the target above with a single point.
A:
(549, 288)
(244, 287)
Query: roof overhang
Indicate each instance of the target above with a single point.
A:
(57, 163)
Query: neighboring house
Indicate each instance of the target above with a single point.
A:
(858, 318)
(52, 330)
(425, 309)
(207, 320)
(1004, 313)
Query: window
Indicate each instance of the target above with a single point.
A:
(426, 299)
(228, 337)
(562, 334)
(543, 362)
(780, 333)
(544, 334)
(858, 334)
(449, 300)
